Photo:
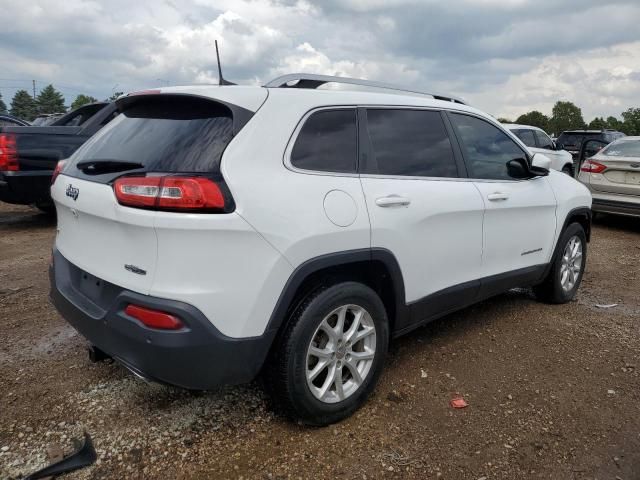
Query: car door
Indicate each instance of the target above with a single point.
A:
(421, 207)
(520, 215)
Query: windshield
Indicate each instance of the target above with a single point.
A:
(623, 148)
(161, 134)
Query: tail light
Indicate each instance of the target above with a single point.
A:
(592, 167)
(57, 170)
(170, 193)
(154, 318)
(8, 153)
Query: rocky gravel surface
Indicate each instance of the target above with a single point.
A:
(552, 390)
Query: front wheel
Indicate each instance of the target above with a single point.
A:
(565, 275)
(331, 354)
(568, 169)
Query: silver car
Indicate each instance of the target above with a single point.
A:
(613, 176)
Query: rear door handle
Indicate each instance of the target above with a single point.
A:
(498, 196)
(392, 201)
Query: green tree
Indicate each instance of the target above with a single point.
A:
(24, 106)
(631, 121)
(565, 116)
(50, 100)
(504, 120)
(82, 100)
(535, 119)
(598, 123)
(115, 96)
(3, 106)
(613, 123)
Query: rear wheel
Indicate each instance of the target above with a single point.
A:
(330, 356)
(563, 280)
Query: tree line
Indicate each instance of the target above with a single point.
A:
(568, 116)
(49, 100)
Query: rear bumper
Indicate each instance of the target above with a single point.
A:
(618, 207)
(197, 357)
(26, 188)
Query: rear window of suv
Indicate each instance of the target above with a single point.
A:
(166, 134)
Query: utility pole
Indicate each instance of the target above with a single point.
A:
(34, 88)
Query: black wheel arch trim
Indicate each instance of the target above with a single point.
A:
(337, 259)
(569, 219)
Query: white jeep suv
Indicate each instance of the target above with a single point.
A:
(212, 233)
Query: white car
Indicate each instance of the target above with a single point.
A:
(537, 141)
(211, 233)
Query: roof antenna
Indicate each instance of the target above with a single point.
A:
(221, 80)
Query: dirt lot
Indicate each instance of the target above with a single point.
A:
(552, 390)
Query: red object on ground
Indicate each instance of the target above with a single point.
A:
(458, 402)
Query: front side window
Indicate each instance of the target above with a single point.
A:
(327, 142)
(526, 136)
(409, 143)
(486, 148)
(544, 141)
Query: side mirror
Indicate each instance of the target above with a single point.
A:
(540, 165)
(518, 168)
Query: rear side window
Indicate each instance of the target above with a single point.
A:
(487, 149)
(164, 134)
(526, 136)
(327, 142)
(409, 143)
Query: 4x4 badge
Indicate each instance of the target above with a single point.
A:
(73, 192)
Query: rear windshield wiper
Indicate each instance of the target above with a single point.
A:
(107, 166)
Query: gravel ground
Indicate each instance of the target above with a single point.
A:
(552, 390)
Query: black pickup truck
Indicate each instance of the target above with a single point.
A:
(28, 155)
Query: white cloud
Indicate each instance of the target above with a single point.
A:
(505, 56)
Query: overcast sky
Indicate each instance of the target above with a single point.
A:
(503, 56)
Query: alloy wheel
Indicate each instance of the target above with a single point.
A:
(341, 353)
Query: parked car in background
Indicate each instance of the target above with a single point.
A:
(538, 141)
(79, 116)
(46, 119)
(572, 140)
(210, 233)
(11, 121)
(612, 174)
(29, 155)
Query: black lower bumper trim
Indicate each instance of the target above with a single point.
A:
(614, 206)
(198, 357)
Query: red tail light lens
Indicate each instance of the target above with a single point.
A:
(154, 318)
(592, 167)
(170, 193)
(8, 153)
(58, 169)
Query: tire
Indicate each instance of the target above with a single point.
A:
(560, 285)
(48, 208)
(292, 364)
(568, 169)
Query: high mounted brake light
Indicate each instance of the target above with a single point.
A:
(592, 167)
(171, 193)
(8, 153)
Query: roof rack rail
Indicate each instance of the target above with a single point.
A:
(310, 80)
